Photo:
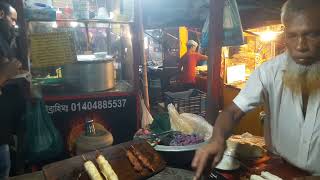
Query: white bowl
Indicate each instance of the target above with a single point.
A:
(228, 163)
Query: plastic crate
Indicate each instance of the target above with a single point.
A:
(191, 101)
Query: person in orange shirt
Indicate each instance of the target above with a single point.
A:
(188, 63)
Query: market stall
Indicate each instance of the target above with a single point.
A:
(267, 165)
(83, 73)
(85, 80)
(238, 63)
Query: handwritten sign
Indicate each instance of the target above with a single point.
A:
(52, 49)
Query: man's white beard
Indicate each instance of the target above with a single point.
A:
(297, 76)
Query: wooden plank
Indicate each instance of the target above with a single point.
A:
(116, 155)
(214, 61)
(140, 55)
(38, 175)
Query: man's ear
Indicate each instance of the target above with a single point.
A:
(2, 14)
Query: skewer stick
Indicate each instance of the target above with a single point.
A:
(98, 153)
(124, 149)
(84, 158)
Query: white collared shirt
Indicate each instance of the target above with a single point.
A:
(287, 132)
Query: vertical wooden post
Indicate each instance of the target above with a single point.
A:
(214, 61)
(138, 47)
(22, 39)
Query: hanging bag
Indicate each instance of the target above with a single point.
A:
(232, 27)
(42, 139)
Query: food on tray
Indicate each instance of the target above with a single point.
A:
(246, 145)
(139, 162)
(256, 177)
(269, 176)
(265, 175)
(92, 171)
(137, 166)
(248, 138)
(181, 139)
(105, 168)
(143, 159)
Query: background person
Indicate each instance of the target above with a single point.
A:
(11, 98)
(187, 65)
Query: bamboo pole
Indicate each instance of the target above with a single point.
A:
(214, 61)
(139, 29)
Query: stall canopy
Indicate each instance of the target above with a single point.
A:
(192, 13)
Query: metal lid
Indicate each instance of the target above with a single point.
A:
(94, 59)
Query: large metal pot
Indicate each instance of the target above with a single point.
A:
(90, 76)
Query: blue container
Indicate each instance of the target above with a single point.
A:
(40, 14)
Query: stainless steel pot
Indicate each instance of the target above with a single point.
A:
(90, 76)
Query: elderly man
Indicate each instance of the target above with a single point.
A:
(10, 99)
(289, 85)
(188, 64)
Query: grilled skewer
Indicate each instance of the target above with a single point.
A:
(134, 161)
(145, 162)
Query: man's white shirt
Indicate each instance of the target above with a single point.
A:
(287, 132)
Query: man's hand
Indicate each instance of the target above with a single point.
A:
(208, 155)
(211, 154)
(9, 70)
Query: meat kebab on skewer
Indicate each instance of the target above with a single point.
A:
(137, 166)
(145, 162)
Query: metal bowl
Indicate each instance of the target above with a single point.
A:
(193, 147)
(178, 156)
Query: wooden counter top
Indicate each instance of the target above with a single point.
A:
(168, 174)
(275, 165)
(279, 167)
